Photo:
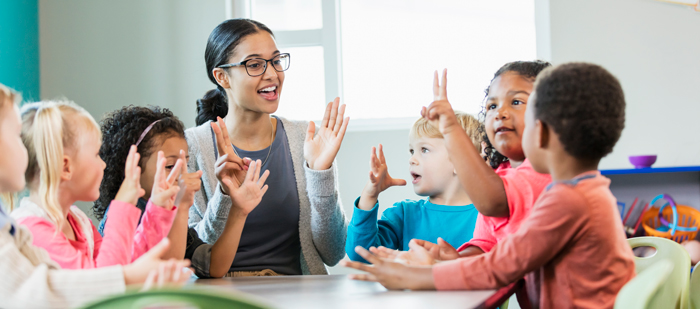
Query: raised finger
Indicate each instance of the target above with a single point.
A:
(263, 178)
(160, 167)
(256, 175)
(443, 85)
(326, 115)
(250, 174)
(175, 172)
(224, 132)
(339, 119)
(343, 129)
(334, 114)
(381, 154)
(128, 166)
(219, 138)
(136, 170)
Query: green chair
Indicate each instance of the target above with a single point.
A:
(674, 293)
(695, 288)
(645, 288)
(179, 298)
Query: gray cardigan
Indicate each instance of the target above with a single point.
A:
(322, 223)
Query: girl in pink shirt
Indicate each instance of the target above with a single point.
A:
(63, 142)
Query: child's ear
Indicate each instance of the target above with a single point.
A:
(66, 169)
(542, 134)
(221, 77)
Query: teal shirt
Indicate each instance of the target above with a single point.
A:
(407, 220)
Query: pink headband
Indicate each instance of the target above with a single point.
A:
(150, 126)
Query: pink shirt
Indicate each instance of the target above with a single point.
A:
(523, 186)
(123, 241)
(572, 248)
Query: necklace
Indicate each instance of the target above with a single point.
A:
(272, 139)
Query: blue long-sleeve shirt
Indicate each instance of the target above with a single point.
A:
(406, 220)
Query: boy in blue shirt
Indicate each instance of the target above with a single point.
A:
(447, 213)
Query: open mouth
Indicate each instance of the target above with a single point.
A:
(269, 93)
(416, 177)
(502, 130)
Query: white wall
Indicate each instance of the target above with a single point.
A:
(106, 54)
(653, 48)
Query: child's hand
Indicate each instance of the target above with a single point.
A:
(320, 149)
(165, 188)
(442, 251)
(140, 270)
(392, 275)
(440, 113)
(228, 166)
(193, 183)
(247, 196)
(170, 273)
(379, 180)
(131, 190)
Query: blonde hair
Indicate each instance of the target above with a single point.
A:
(48, 129)
(8, 95)
(423, 128)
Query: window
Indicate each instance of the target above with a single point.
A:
(390, 49)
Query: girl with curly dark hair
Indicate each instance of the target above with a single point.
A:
(158, 133)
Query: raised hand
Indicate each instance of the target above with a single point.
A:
(165, 188)
(228, 166)
(379, 180)
(130, 190)
(390, 274)
(320, 149)
(247, 196)
(440, 113)
(192, 183)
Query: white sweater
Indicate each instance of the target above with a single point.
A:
(30, 279)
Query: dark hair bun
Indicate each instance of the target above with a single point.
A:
(210, 106)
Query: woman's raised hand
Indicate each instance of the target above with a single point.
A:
(228, 166)
(246, 196)
(320, 149)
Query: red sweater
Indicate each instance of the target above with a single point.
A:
(572, 247)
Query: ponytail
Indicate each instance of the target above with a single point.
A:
(47, 133)
(212, 105)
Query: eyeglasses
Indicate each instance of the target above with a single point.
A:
(258, 66)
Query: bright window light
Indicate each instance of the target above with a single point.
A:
(303, 92)
(288, 15)
(390, 49)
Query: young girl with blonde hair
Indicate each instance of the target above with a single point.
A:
(63, 143)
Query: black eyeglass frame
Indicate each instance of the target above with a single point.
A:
(244, 62)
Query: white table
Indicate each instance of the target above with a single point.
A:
(337, 291)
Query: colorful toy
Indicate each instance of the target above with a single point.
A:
(677, 222)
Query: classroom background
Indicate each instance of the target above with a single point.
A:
(107, 54)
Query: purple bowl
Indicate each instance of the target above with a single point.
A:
(642, 161)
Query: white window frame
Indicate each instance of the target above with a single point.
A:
(328, 37)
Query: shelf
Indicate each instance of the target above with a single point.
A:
(651, 170)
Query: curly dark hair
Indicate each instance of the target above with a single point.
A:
(527, 69)
(584, 104)
(123, 128)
